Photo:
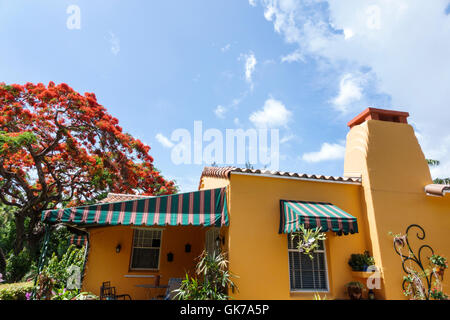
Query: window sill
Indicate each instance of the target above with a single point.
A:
(144, 270)
(301, 292)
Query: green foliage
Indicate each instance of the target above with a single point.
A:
(2, 262)
(435, 163)
(18, 265)
(442, 180)
(438, 295)
(318, 297)
(86, 296)
(15, 142)
(355, 284)
(15, 291)
(308, 239)
(360, 262)
(59, 241)
(64, 294)
(58, 269)
(7, 229)
(439, 261)
(215, 279)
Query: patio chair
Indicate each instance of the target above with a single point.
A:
(173, 284)
(109, 293)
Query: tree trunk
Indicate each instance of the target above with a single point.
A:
(34, 234)
(20, 233)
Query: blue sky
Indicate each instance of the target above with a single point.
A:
(161, 65)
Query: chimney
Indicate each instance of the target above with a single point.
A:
(379, 114)
(386, 155)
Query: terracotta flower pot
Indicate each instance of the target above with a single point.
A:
(400, 241)
(440, 272)
(355, 293)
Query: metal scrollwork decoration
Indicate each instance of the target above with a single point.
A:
(413, 264)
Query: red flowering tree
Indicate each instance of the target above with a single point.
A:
(58, 146)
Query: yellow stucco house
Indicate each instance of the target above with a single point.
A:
(386, 187)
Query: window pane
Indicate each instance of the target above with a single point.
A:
(145, 258)
(307, 274)
(146, 247)
(156, 243)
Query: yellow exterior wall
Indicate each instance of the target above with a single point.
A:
(104, 264)
(259, 255)
(394, 173)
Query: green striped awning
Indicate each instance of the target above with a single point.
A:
(199, 208)
(315, 214)
(78, 240)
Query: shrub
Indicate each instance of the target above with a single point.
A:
(17, 266)
(2, 262)
(64, 294)
(57, 273)
(58, 270)
(15, 291)
(215, 279)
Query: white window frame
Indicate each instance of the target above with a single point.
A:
(160, 248)
(324, 251)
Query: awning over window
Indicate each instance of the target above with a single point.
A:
(78, 240)
(199, 208)
(315, 214)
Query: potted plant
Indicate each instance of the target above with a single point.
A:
(355, 290)
(399, 239)
(360, 262)
(440, 263)
(438, 294)
(414, 288)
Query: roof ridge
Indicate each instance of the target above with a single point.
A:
(224, 172)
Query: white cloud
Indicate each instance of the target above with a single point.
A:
(287, 138)
(328, 151)
(273, 114)
(250, 65)
(115, 43)
(403, 45)
(252, 3)
(292, 57)
(165, 142)
(349, 91)
(226, 47)
(220, 111)
(348, 33)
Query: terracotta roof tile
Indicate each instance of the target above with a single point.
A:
(117, 197)
(224, 172)
(437, 189)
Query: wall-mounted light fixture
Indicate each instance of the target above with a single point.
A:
(187, 247)
(118, 248)
(170, 257)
